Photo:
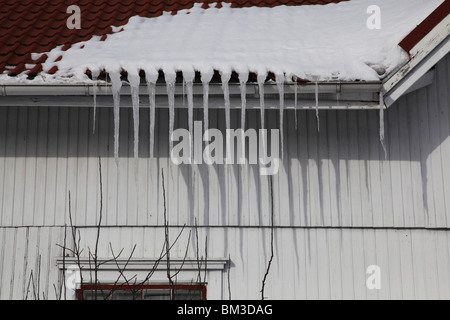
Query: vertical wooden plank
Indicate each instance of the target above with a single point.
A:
(406, 261)
(312, 280)
(426, 149)
(419, 265)
(375, 156)
(443, 263)
(315, 192)
(359, 264)
(61, 193)
(18, 263)
(9, 245)
(417, 182)
(19, 181)
(443, 101)
(348, 269)
(335, 264)
(10, 165)
(370, 259)
(344, 167)
(396, 177)
(382, 254)
(395, 276)
(435, 157)
(333, 171)
(92, 150)
(431, 271)
(52, 164)
(354, 170)
(363, 156)
(30, 170)
(323, 264)
(123, 195)
(326, 185)
(41, 166)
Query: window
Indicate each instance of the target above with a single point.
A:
(146, 292)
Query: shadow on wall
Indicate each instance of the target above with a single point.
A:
(342, 161)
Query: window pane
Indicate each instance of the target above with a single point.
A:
(126, 295)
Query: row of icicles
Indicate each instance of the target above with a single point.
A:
(151, 79)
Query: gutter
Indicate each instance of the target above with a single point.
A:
(332, 95)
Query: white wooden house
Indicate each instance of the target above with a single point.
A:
(343, 219)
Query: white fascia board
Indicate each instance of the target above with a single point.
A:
(332, 95)
(424, 56)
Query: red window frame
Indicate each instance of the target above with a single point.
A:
(111, 287)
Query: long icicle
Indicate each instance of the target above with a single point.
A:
(135, 81)
(206, 78)
(243, 78)
(170, 83)
(261, 80)
(95, 75)
(296, 101)
(226, 76)
(382, 128)
(151, 78)
(116, 86)
(317, 106)
(280, 84)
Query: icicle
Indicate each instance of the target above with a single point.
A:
(226, 94)
(95, 75)
(170, 82)
(280, 84)
(190, 99)
(135, 81)
(261, 80)
(295, 102)
(382, 125)
(206, 79)
(317, 106)
(243, 78)
(116, 86)
(152, 77)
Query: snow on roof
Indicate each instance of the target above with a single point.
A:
(317, 43)
(29, 26)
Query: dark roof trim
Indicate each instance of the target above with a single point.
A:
(426, 26)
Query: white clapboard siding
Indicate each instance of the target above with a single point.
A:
(28, 267)
(335, 177)
(318, 263)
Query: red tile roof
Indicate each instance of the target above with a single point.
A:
(38, 26)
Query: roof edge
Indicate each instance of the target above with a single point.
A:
(424, 28)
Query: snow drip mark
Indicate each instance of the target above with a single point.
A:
(116, 86)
